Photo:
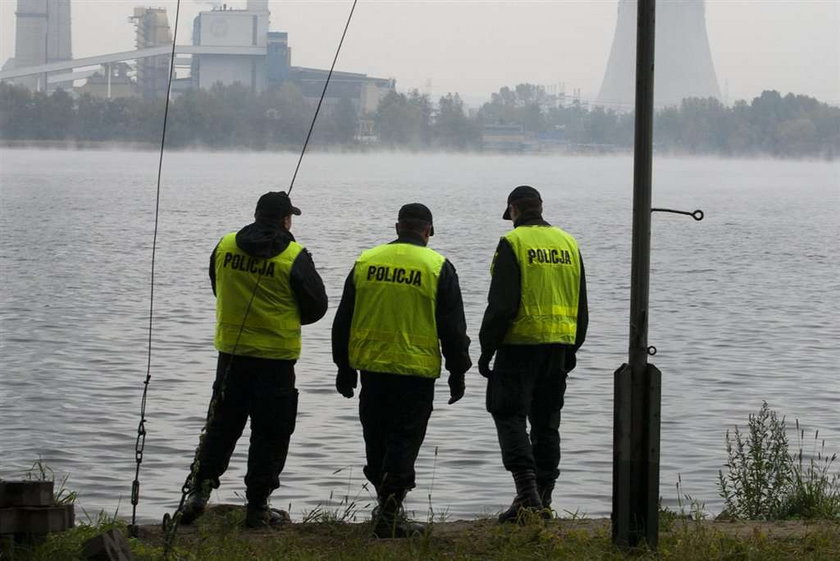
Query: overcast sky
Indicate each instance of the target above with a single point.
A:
(476, 46)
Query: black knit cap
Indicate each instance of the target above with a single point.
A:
(276, 204)
(417, 211)
(521, 192)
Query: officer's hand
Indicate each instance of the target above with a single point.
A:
(456, 387)
(345, 381)
(484, 364)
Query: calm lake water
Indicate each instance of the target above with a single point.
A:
(744, 307)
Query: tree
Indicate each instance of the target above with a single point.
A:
(452, 128)
(404, 120)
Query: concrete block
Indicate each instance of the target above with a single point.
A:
(109, 546)
(26, 493)
(38, 520)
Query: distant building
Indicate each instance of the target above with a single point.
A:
(229, 46)
(236, 46)
(151, 29)
(684, 66)
(42, 35)
(112, 81)
(363, 91)
(228, 32)
(505, 138)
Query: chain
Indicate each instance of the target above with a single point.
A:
(170, 523)
(140, 444)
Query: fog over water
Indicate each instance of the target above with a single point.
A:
(743, 308)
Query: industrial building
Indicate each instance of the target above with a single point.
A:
(684, 66)
(151, 29)
(220, 30)
(229, 45)
(43, 36)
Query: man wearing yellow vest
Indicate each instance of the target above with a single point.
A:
(266, 287)
(535, 321)
(400, 308)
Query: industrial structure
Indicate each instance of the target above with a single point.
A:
(43, 36)
(684, 66)
(229, 46)
(151, 29)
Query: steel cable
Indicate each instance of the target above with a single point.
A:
(171, 524)
(141, 427)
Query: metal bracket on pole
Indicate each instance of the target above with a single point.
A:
(696, 215)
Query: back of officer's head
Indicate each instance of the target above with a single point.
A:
(274, 206)
(415, 218)
(524, 199)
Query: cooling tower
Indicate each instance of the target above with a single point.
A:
(684, 65)
(42, 35)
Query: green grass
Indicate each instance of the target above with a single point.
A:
(764, 481)
(223, 538)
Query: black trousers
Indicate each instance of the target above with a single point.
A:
(264, 390)
(394, 411)
(528, 384)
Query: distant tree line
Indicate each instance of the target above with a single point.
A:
(235, 117)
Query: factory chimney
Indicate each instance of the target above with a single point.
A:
(42, 35)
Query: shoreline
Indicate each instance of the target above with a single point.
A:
(220, 535)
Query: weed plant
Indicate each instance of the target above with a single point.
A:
(765, 481)
(40, 471)
(814, 489)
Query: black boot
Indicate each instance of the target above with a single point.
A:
(259, 515)
(527, 498)
(545, 488)
(390, 521)
(196, 502)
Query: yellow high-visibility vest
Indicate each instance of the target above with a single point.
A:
(549, 267)
(394, 328)
(271, 328)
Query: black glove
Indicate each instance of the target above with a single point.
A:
(484, 364)
(345, 381)
(456, 387)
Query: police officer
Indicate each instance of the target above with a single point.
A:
(401, 306)
(266, 287)
(535, 321)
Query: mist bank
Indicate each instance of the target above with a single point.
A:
(520, 119)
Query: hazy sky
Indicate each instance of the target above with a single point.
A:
(476, 46)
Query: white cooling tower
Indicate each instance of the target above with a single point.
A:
(683, 66)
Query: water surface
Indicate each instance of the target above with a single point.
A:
(743, 308)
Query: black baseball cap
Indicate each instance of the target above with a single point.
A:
(276, 204)
(417, 211)
(521, 192)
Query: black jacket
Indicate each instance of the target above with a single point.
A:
(267, 240)
(449, 317)
(506, 292)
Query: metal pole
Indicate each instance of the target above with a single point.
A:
(636, 447)
(645, 525)
(642, 176)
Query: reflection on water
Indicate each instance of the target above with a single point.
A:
(743, 308)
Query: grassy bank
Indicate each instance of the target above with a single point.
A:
(779, 505)
(223, 538)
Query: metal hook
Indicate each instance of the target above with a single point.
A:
(696, 215)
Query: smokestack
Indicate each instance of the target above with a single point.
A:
(42, 35)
